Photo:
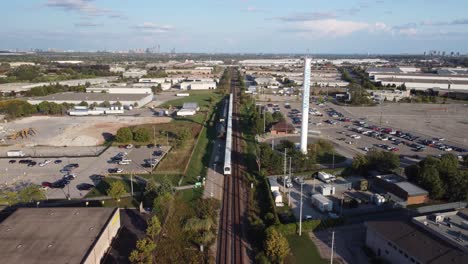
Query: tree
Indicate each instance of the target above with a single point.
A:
(31, 193)
(83, 103)
(360, 164)
(124, 135)
(116, 190)
(10, 197)
(143, 254)
(26, 72)
(162, 204)
(430, 180)
(276, 246)
(141, 135)
(184, 136)
(154, 227)
(200, 231)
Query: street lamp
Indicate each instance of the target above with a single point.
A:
(300, 213)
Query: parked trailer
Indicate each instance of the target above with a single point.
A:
(326, 177)
(227, 153)
(15, 153)
(322, 203)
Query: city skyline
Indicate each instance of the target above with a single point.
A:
(245, 26)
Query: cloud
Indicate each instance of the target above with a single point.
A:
(328, 27)
(455, 22)
(251, 9)
(87, 24)
(84, 6)
(408, 31)
(150, 27)
(309, 16)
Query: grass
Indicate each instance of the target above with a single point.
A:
(102, 186)
(303, 250)
(174, 178)
(190, 195)
(200, 97)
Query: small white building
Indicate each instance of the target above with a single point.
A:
(278, 198)
(197, 85)
(326, 189)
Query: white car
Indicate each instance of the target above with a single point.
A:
(124, 162)
(355, 136)
(119, 170)
(366, 149)
(129, 146)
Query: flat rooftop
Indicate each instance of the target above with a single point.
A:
(431, 81)
(411, 189)
(51, 235)
(451, 229)
(418, 243)
(90, 97)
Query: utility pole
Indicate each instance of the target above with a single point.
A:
(290, 177)
(284, 175)
(333, 164)
(333, 244)
(264, 120)
(300, 214)
(131, 182)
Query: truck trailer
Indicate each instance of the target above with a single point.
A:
(322, 203)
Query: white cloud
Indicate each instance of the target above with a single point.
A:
(328, 27)
(150, 27)
(408, 31)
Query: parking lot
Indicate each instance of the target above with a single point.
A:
(339, 124)
(89, 170)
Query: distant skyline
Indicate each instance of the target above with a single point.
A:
(237, 26)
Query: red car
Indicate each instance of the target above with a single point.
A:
(47, 184)
(395, 149)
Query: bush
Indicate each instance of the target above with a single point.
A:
(124, 135)
(141, 135)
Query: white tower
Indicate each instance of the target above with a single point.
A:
(305, 106)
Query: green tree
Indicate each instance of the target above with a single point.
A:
(124, 135)
(154, 227)
(44, 107)
(26, 72)
(276, 246)
(360, 164)
(143, 254)
(83, 103)
(116, 190)
(430, 180)
(10, 197)
(162, 204)
(31, 193)
(141, 135)
(200, 231)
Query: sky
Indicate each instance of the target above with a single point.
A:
(237, 26)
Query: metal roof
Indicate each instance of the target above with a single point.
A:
(411, 189)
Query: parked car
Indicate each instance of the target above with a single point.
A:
(58, 161)
(32, 164)
(12, 161)
(84, 186)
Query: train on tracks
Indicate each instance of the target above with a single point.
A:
(228, 148)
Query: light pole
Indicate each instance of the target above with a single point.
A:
(332, 246)
(131, 182)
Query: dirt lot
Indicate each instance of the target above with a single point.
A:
(72, 131)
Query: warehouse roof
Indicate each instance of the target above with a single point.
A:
(420, 244)
(411, 189)
(90, 97)
(433, 81)
(51, 235)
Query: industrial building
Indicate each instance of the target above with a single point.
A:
(388, 95)
(119, 90)
(137, 100)
(408, 243)
(188, 109)
(21, 87)
(198, 85)
(58, 235)
(135, 73)
(400, 189)
(455, 80)
(270, 62)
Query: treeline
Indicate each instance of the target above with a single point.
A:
(271, 161)
(17, 108)
(54, 88)
(383, 161)
(442, 177)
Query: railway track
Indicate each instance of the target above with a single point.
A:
(231, 239)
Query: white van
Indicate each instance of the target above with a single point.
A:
(125, 162)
